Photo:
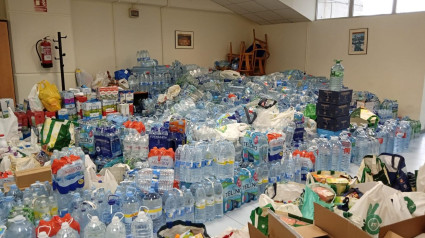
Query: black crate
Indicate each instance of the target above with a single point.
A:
(335, 97)
(333, 124)
(332, 110)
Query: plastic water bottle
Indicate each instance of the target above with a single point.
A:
(130, 208)
(306, 164)
(272, 173)
(170, 208)
(76, 201)
(177, 164)
(67, 232)
(336, 149)
(142, 226)
(116, 229)
(209, 201)
(128, 146)
(337, 76)
(200, 203)
(346, 153)
(132, 82)
(111, 209)
(196, 171)
(288, 167)
(184, 160)
(324, 155)
(144, 147)
(189, 203)
(218, 199)
(8, 204)
(382, 136)
(42, 209)
(20, 228)
(180, 209)
(153, 202)
(297, 168)
(15, 192)
(95, 228)
(362, 147)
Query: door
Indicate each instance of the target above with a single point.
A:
(7, 86)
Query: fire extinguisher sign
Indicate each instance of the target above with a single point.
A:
(40, 5)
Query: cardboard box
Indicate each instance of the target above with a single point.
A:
(326, 224)
(405, 229)
(335, 97)
(333, 124)
(332, 110)
(25, 178)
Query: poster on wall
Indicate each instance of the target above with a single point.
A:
(40, 5)
(184, 39)
(358, 41)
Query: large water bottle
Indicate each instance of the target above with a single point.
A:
(337, 76)
(153, 202)
(288, 167)
(81, 215)
(20, 228)
(200, 203)
(189, 203)
(136, 149)
(382, 137)
(15, 192)
(209, 202)
(273, 173)
(346, 153)
(196, 161)
(67, 232)
(133, 82)
(101, 203)
(170, 208)
(297, 168)
(177, 164)
(128, 146)
(112, 207)
(324, 155)
(218, 199)
(390, 126)
(144, 147)
(180, 209)
(116, 229)
(95, 228)
(42, 209)
(336, 148)
(362, 147)
(130, 208)
(142, 226)
(263, 175)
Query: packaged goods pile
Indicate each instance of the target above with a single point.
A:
(199, 145)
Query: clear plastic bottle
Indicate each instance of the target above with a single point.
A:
(53, 204)
(67, 232)
(189, 203)
(209, 201)
(336, 149)
(128, 146)
(15, 192)
(153, 202)
(42, 209)
(200, 203)
(130, 208)
(144, 147)
(218, 199)
(170, 208)
(116, 229)
(95, 228)
(111, 209)
(337, 76)
(177, 164)
(142, 226)
(297, 168)
(324, 155)
(362, 146)
(346, 153)
(382, 136)
(20, 228)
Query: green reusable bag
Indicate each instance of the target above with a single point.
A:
(260, 218)
(310, 197)
(310, 111)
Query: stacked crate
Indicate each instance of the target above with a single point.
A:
(333, 109)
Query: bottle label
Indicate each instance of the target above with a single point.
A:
(196, 165)
(155, 212)
(200, 206)
(210, 201)
(189, 210)
(177, 164)
(166, 162)
(218, 200)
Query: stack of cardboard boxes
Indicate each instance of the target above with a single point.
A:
(333, 110)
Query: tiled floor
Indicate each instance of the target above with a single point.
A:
(239, 218)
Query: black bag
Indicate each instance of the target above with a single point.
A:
(397, 173)
(171, 229)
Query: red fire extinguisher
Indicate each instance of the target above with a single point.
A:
(45, 49)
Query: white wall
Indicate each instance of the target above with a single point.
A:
(2, 10)
(393, 67)
(27, 27)
(112, 38)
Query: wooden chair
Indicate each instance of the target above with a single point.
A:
(231, 56)
(246, 60)
(261, 54)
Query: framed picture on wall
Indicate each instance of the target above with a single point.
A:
(184, 39)
(358, 41)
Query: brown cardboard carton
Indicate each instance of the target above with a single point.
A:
(326, 224)
(405, 229)
(25, 178)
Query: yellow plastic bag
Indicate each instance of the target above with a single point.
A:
(49, 96)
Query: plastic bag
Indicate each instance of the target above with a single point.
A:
(285, 192)
(373, 169)
(415, 203)
(107, 181)
(9, 127)
(310, 111)
(101, 80)
(310, 197)
(380, 206)
(34, 100)
(171, 229)
(279, 207)
(269, 119)
(83, 77)
(56, 134)
(49, 96)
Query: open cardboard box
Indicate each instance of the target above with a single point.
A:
(405, 229)
(25, 178)
(326, 224)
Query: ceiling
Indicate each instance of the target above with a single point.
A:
(263, 12)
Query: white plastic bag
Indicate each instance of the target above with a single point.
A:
(9, 127)
(269, 119)
(34, 100)
(107, 181)
(285, 192)
(279, 207)
(420, 181)
(380, 206)
(83, 77)
(101, 80)
(415, 203)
